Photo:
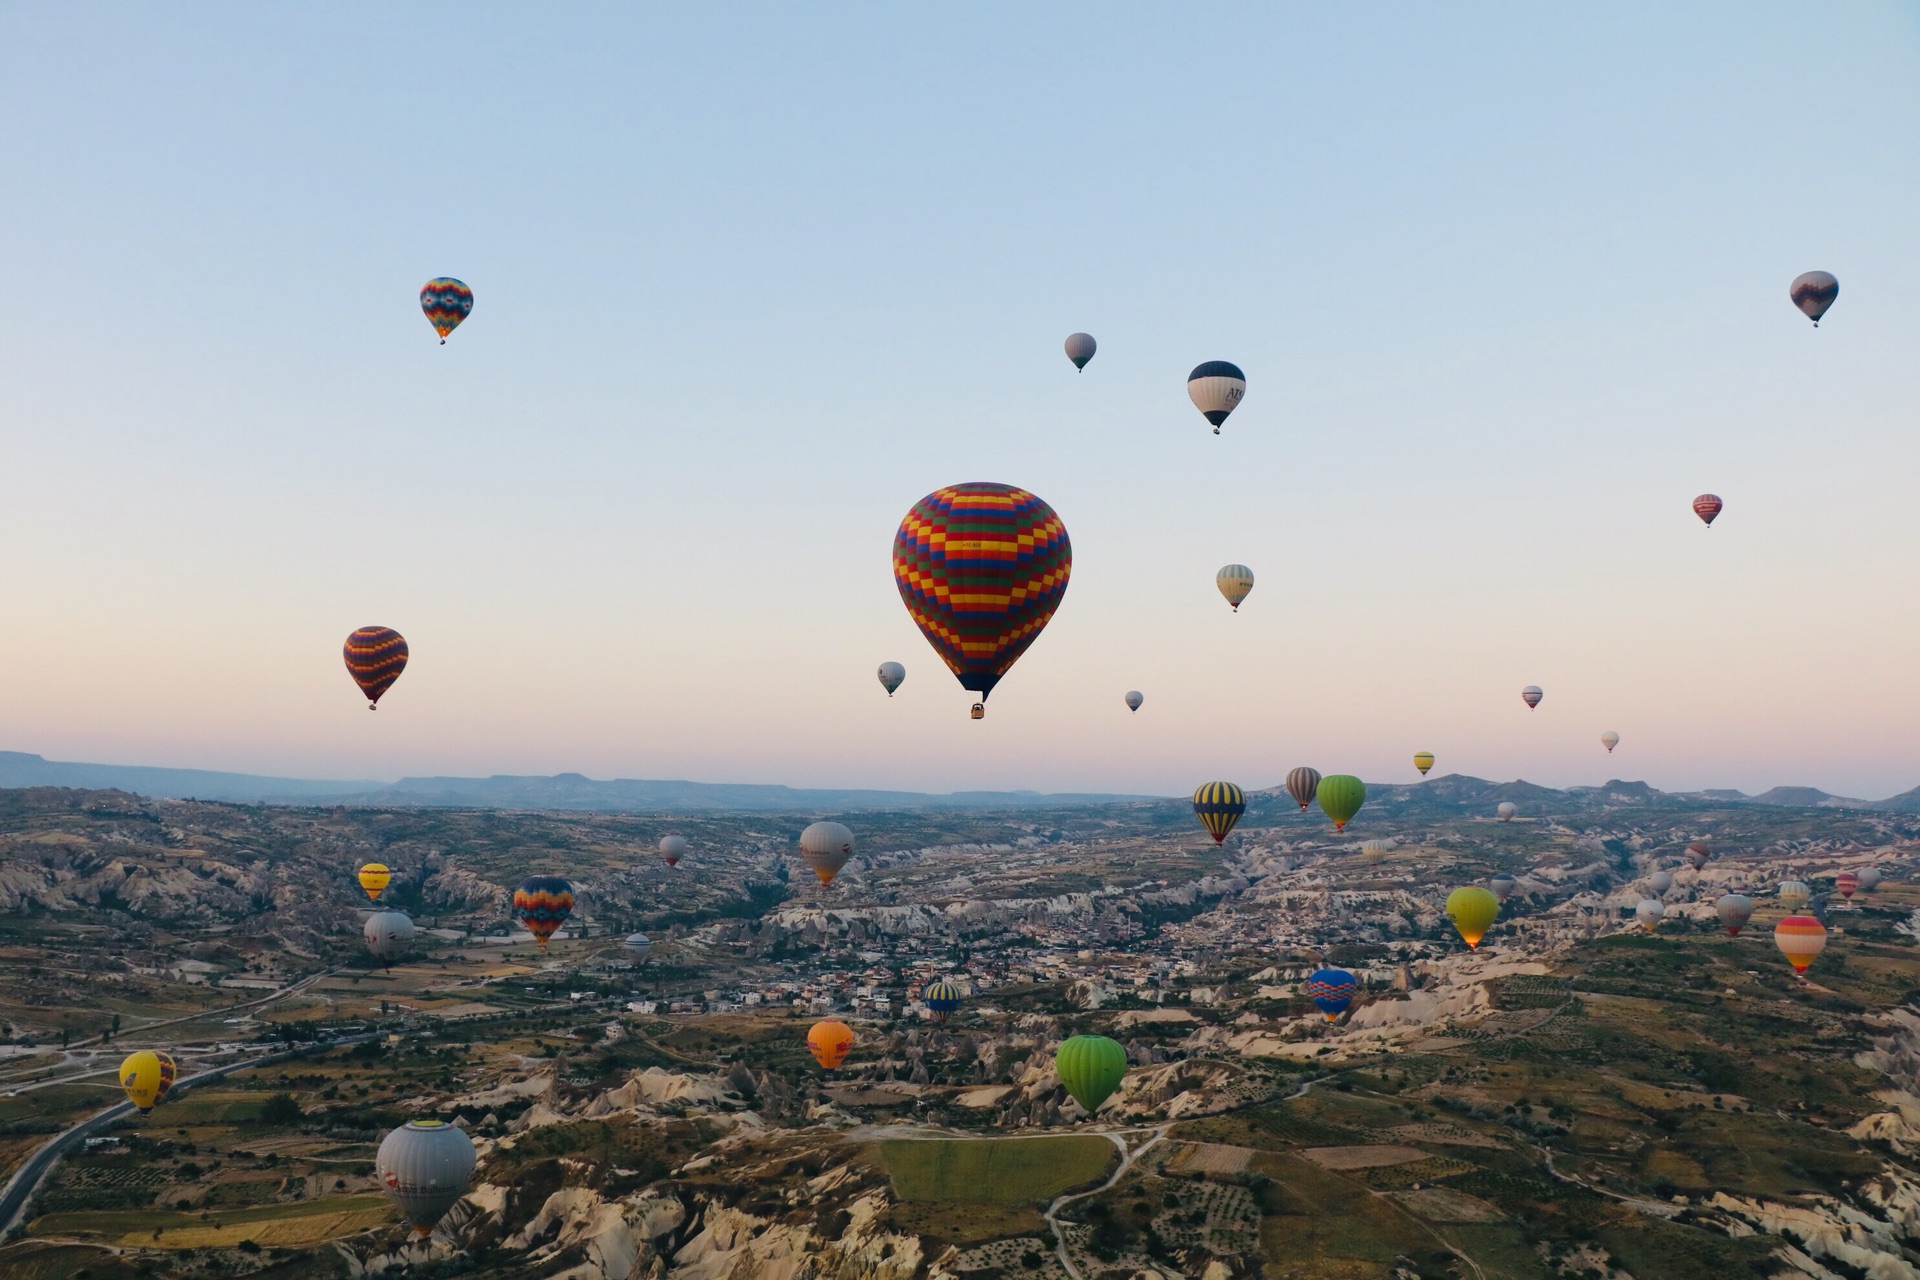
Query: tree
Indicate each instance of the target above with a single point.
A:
(281, 1108)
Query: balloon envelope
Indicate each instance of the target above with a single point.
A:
(1609, 740)
(1219, 805)
(1847, 883)
(1340, 796)
(375, 658)
(1376, 850)
(1134, 700)
(1794, 895)
(1800, 939)
(1080, 349)
(1473, 911)
(389, 935)
(942, 997)
(1649, 913)
(1707, 506)
(1869, 879)
(542, 904)
(638, 945)
(892, 675)
(672, 849)
(373, 878)
(1734, 910)
(1506, 810)
(147, 1076)
(826, 847)
(1216, 389)
(1660, 882)
(1303, 784)
(1332, 991)
(1234, 581)
(425, 1166)
(981, 568)
(1697, 855)
(1502, 886)
(446, 303)
(830, 1043)
(1091, 1068)
(1423, 761)
(1813, 292)
(1531, 695)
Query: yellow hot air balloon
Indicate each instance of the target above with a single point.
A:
(1423, 761)
(1794, 894)
(373, 878)
(146, 1076)
(1473, 911)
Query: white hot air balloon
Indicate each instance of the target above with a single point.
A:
(1734, 910)
(1660, 882)
(1531, 695)
(1869, 879)
(1609, 740)
(425, 1166)
(672, 849)
(1134, 700)
(389, 935)
(1506, 810)
(1649, 913)
(1794, 894)
(1502, 886)
(1216, 389)
(1234, 581)
(826, 847)
(638, 945)
(892, 674)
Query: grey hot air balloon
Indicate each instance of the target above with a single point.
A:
(426, 1166)
(1080, 349)
(1660, 882)
(1502, 886)
(892, 676)
(1303, 784)
(389, 935)
(672, 849)
(1216, 389)
(1813, 292)
(1506, 810)
(1134, 699)
(1649, 913)
(638, 945)
(1734, 910)
(1869, 879)
(825, 847)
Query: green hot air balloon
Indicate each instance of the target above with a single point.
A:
(1341, 795)
(1091, 1068)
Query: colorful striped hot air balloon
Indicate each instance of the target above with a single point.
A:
(1794, 894)
(1219, 805)
(1341, 795)
(447, 302)
(1091, 1068)
(1303, 784)
(1234, 581)
(1332, 991)
(1707, 506)
(1813, 292)
(981, 568)
(1531, 695)
(1473, 911)
(147, 1076)
(373, 878)
(942, 997)
(542, 904)
(1800, 939)
(1216, 389)
(1847, 883)
(1423, 761)
(830, 1042)
(375, 658)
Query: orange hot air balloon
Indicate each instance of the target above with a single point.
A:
(830, 1043)
(1800, 939)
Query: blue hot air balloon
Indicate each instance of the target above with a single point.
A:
(1332, 991)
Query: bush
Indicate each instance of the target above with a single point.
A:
(281, 1108)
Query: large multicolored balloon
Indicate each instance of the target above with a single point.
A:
(374, 877)
(1734, 910)
(425, 1166)
(942, 997)
(389, 935)
(1609, 740)
(1506, 810)
(672, 849)
(1216, 389)
(1219, 805)
(892, 676)
(1707, 506)
(147, 1076)
(1503, 886)
(1091, 1068)
(1473, 911)
(1423, 761)
(375, 658)
(826, 847)
(1234, 581)
(1800, 939)
(1813, 292)
(981, 568)
(1847, 883)
(1303, 784)
(1531, 695)
(1080, 348)
(1332, 991)
(542, 904)
(1134, 699)
(830, 1042)
(1340, 796)
(1649, 913)
(1794, 894)
(447, 302)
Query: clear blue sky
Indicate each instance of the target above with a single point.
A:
(1509, 284)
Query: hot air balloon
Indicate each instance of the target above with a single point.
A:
(1697, 855)
(147, 1076)
(542, 904)
(942, 997)
(1800, 939)
(830, 1043)
(1303, 784)
(1846, 882)
(1707, 506)
(1473, 911)
(1794, 895)
(1332, 991)
(447, 302)
(1216, 389)
(1091, 1068)
(1134, 700)
(1340, 795)
(1609, 740)
(1531, 695)
(1080, 348)
(389, 935)
(672, 849)
(1423, 761)
(375, 658)
(1869, 878)
(1734, 910)
(892, 675)
(826, 847)
(1660, 882)
(638, 945)
(1649, 912)
(1219, 805)
(1234, 581)
(981, 568)
(1376, 850)
(1502, 886)
(426, 1165)
(1506, 810)
(1813, 292)
(373, 878)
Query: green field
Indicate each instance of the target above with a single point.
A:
(1004, 1171)
(304, 1222)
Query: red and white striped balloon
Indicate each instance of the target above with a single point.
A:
(1707, 506)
